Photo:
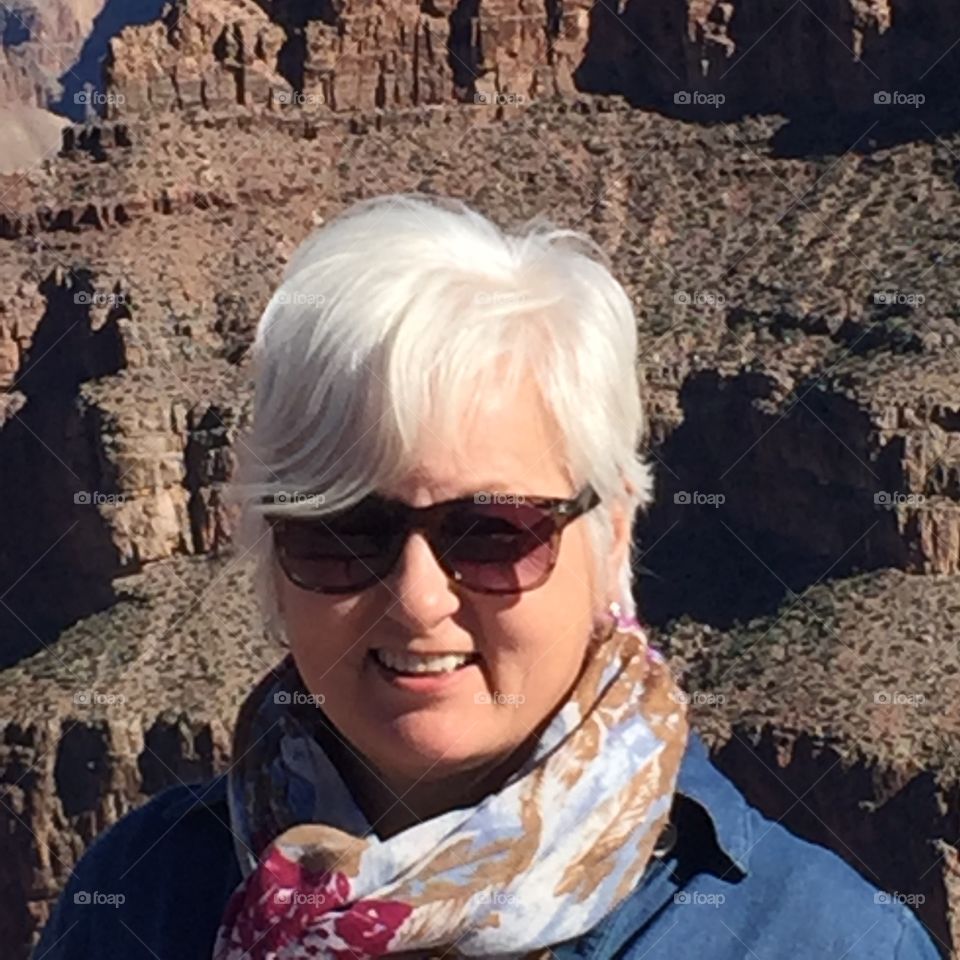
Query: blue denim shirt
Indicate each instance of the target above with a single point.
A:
(732, 885)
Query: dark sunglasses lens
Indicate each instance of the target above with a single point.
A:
(339, 552)
(500, 547)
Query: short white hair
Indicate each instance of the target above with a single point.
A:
(398, 314)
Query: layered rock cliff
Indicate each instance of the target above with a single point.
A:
(699, 59)
(40, 41)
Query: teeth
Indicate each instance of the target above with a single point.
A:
(413, 663)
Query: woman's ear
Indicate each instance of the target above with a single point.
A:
(622, 522)
(619, 548)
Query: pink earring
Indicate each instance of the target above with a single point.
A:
(623, 621)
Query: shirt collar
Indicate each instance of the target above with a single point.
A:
(726, 807)
(701, 784)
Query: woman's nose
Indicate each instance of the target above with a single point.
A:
(421, 591)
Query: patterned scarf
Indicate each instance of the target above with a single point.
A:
(542, 860)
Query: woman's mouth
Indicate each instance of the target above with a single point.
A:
(416, 664)
(421, 674)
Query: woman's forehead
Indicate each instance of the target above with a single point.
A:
(433, 479)
(506, 442)
(516, 424)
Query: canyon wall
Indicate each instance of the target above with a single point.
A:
(40, 41)
(703, 59)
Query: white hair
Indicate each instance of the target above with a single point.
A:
(397, 315)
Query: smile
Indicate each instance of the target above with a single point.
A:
(415, 664)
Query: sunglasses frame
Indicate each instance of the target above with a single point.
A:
(428, 520)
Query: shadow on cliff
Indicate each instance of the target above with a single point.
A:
(293, 16)
(87, 72)
(16, 27)
(829, 802)
(793, 60)
(754, 504)
(56, 556)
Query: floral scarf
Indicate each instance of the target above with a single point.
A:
(543, 860)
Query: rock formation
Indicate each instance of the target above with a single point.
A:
(38, 42)
(700, 59)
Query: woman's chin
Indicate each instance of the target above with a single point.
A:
(431, 747)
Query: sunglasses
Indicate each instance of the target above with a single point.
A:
(490, 543)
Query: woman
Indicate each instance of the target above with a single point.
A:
(470, 748)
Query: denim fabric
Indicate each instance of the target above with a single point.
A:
(734, 885)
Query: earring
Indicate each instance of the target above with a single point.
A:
(605, 626)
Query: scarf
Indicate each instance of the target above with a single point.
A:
(556, 849)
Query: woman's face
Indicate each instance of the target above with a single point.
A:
(531, 645)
